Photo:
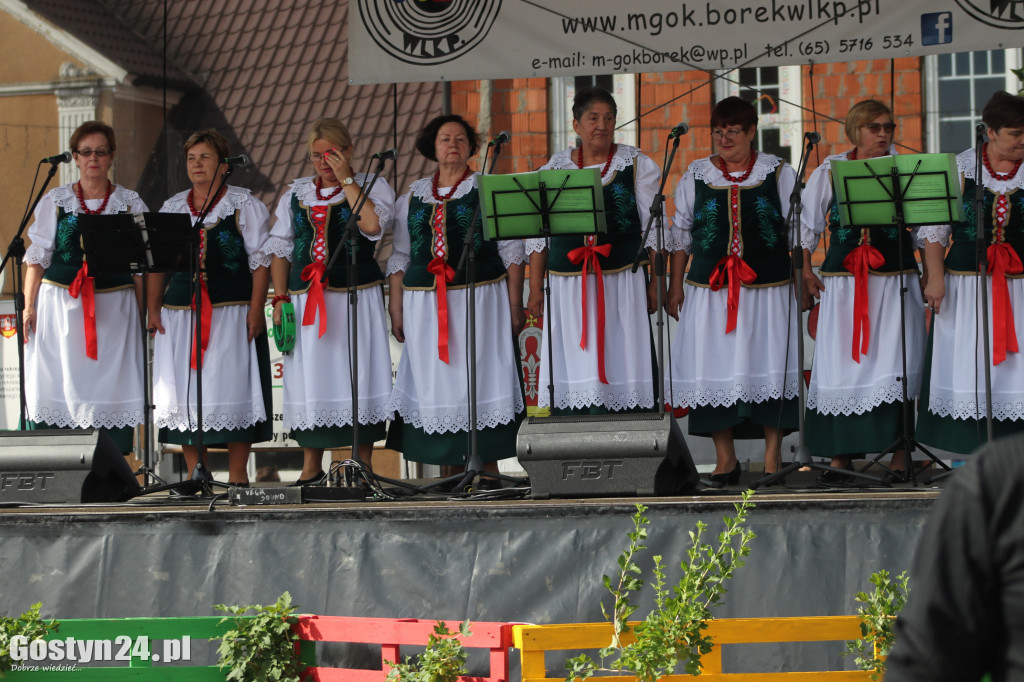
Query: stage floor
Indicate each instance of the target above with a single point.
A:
(483, 559)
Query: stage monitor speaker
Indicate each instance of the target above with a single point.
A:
(63, 466)
(609, 455)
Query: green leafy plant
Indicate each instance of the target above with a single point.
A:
(878, 616)
(673, 632)
(444, 659)
(1019, 73)
(30, 625)
(261, 647)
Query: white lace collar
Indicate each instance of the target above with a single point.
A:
(423, 190)
(708, 172)
(966, 162)
(305, 190)
(233, 200)
(565, 159)
(121, 199)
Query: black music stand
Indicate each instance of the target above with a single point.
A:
(912, 197)
(531, 208)
(137, 244)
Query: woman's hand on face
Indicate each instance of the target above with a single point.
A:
(339, 163)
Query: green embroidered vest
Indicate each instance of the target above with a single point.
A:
(843, 240)
(225, 263)
(624, 231)
(68, 256)
(962, 256)
(764, 245)
(368, 272)
(458, 215)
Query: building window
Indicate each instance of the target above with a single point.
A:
(775, 92)
(958, 85)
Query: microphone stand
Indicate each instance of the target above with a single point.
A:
(474, 466)
(200, 477)
(16, 250)
(982, 276)
(350, 237)
(803, 455)
(657, 217)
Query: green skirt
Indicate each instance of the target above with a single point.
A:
(747, 420)
(327, 437)
(257, 433)
(829, 435)
(450, 449)
(962, 436)
(123, 436)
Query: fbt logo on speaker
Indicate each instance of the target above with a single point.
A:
(67, 653)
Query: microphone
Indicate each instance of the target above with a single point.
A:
(502, 138)
(389, 155)
(679, 130)
(981, 128)
(812, 137)
(241, 161)
(59, 158)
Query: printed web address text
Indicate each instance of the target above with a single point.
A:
(696, 16)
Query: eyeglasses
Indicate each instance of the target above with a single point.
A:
(875, 127)
(730, 134)
(101, 153)
(317, 158)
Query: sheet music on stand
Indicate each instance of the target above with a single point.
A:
(522, 205)
(929, 190)
(135, 242)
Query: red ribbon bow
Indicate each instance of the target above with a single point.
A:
(739, 273)
(84, 285)
(859, 261)
(1002, 261)
(443, 273)
(204, 323)
(314, 274)
(588, 256)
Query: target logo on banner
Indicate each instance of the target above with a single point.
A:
(995, 13)
(427, 32)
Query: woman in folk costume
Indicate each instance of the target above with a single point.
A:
(84, 352)
(599, 322)
(734, 357)
(233, 354)
(310, 226)
(428, 305)
(855, 401)
(953, 403)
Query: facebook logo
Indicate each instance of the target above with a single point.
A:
(937, 28)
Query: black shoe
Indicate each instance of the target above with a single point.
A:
(318, 479)
(722, 480)
(836, 478)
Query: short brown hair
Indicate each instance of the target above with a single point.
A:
(212, 138)
(330, 129)
(426, 140)
(861, 113)
(1004, 111)
(89, 128)
(733, 111)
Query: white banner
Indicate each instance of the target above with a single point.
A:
(437, 40)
